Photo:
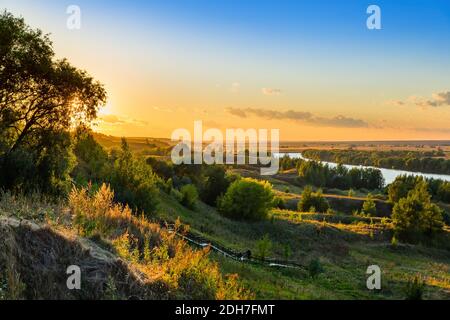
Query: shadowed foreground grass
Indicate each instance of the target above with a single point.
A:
(121, 256)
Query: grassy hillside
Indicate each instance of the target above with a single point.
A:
(331, 250)
(79, 233)
(145, 146)
(345, 247)
(121, 256)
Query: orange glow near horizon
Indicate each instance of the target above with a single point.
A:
(162, 74)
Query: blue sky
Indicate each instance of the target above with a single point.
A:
(319, 54)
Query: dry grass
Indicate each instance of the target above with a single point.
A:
(159, 254)
(34, 259)
(121, 256)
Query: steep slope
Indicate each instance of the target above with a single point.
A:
(121, 256)
(35, 260)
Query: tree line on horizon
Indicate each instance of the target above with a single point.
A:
(323, 175)
(418, 161)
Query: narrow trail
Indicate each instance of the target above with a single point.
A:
(242, 257)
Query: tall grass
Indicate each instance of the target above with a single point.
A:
(154, 251)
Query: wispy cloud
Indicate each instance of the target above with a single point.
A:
(439, 130)
(235, 87)
(271, 92)
(438, 99)
(307, 117)
(341, 121)
(237, 112)
(270, 114)
(113, 119)
(395, 103)
(163, 109)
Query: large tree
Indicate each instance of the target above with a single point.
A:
(41, 97)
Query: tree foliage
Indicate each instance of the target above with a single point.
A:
(131, 177)
(189, 196)
(312, 201)
(215, 183)
(92, 159)
(322, 175)
(438, 189)
(41, 98)
(247, 199)
(263, 247)
(415, 216)
(369, 206)
(133, 180)
(432, 161)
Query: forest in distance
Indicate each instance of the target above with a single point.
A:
(432, 161)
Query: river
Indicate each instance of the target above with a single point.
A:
(389, 175)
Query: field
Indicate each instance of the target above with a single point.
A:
(146, 145)
(307, 255)
(425, 145)
(345, 245)
(344, 249)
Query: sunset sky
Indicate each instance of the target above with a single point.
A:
(309, 68)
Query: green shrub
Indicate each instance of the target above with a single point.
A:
(369, 208)
(315, 268)
(93, 164)
(163, 169)
(394, 242)
(415, 216)
(215, 183)
(263, 247)
(176, 195)
(134, 181)
(189, 196)
(247, 199)
(279, 203)
(287, 251)
(128, 174)
(414, 288)
(45, 169)
(312, 202)
(446, 217)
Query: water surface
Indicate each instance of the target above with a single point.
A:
(389, 175)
